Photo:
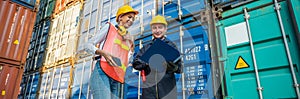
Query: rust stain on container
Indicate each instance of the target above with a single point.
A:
(10, 79)
(15, 32)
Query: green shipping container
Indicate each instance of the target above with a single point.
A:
(45, 10)
(277, 74)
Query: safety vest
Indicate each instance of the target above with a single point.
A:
(118, 47)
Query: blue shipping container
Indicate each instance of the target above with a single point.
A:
(37, 47)
(44, 10)
(29, 86)
(187, 8)
(27, 3)
(197, 68)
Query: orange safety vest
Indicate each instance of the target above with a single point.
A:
(118, 47)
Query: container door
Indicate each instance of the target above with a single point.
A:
(266, 64)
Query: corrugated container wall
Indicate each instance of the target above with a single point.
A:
(62, 42)
(27, 3)
(260, 46)
(62, 5)
(56, 82)
(37, 48)
(17, 24)
(82, 73)
(34, 61)
(29, 86)
(109, 10)
(44, 10)
(39, 36)
(191, 34)
(10, 79)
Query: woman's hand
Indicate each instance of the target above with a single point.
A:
(107, 56)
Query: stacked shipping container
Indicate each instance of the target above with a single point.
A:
(57, 73)
(55, 82)
(36, 50)
(190, 24)
(37, 46)
(17, 24)
(29, 86)
(63, 35)
(16, 32)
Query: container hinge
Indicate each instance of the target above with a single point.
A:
(247, 16)
(296, 85)
(277, 6)
(260, 88)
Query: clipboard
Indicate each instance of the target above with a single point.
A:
(160, 47)
(115, 59)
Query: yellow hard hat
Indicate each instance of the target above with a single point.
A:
(159, 19)
(125, 9)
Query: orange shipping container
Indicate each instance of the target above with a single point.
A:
(61, 5)
(10, 79)
(15, 32)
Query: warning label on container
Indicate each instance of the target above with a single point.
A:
(3, 92)
(241, 63)
(16, 42)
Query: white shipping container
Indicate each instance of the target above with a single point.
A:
(45, 84)
(62, 42)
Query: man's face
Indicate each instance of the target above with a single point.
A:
(158, 30)
(126, 20)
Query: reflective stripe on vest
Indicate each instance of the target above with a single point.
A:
(124, 46)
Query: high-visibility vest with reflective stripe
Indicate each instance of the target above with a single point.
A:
(118, 47)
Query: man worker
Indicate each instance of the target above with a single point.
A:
(160, 79)
(113, 44)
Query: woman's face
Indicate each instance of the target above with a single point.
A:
(127, 20)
